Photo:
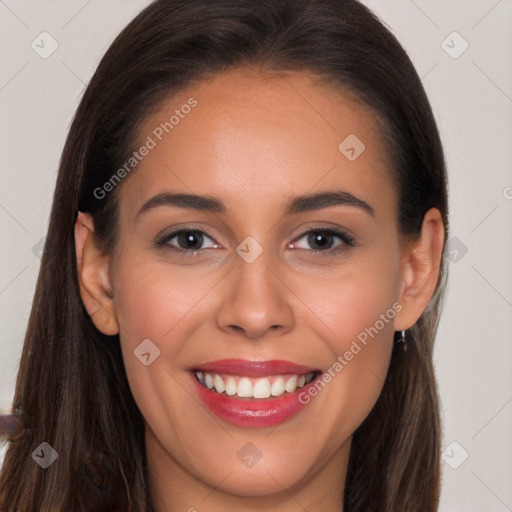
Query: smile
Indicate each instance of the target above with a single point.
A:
(252, 393)
(260, 388)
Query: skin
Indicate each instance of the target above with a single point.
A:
(255, 141)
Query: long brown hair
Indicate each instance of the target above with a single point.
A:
(72, 390)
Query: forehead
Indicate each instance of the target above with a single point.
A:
(256, 139)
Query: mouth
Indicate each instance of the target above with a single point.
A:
(253, 393)
(244, 387)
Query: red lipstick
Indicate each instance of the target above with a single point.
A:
(252, 412)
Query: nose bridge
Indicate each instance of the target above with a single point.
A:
(254, 272)
(256, 300)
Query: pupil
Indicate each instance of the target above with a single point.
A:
(187, 237)
(317, 239)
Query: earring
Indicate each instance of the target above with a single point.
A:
(401, 339)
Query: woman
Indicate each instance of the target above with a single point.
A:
(243, 273)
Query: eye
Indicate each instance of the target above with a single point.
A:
(190, 241)
(323, 240)
(185, 240)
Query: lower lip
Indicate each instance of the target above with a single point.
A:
(251, 413)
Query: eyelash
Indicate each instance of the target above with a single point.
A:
(348, 240)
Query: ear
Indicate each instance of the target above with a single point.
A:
(93, 277)
(420, 270)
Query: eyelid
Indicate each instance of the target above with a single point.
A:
(185, 227)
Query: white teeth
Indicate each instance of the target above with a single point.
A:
(291, 384)
(278, 387)
(262, 388)
(231, 386)
(244, 387)
(218, 383)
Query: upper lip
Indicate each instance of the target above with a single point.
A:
(244, 367)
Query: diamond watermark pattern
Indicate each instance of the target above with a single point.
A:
(45, 455)
(147, 352)
(249, 455)
(44, 45)
(351, 147)
(456, 249)
(37, 250)
(249, 249)
(454, 45)
(454, 455)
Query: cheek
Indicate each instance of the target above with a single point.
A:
(352, 297)
(157, 304)
(151, 300)
(151, 304)
(356, 306)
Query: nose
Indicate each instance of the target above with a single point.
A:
(256, 301)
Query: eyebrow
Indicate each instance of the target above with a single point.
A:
(298, 204)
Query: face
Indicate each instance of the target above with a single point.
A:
(256, 286)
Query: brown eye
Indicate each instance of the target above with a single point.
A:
(321, 239)
(324, 240)
(185, 240)
(189, 239)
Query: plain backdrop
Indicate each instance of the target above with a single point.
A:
(462, 51)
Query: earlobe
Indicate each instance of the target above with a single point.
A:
(93, 277)
(420, 270)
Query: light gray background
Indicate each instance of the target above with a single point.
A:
(472, 100)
